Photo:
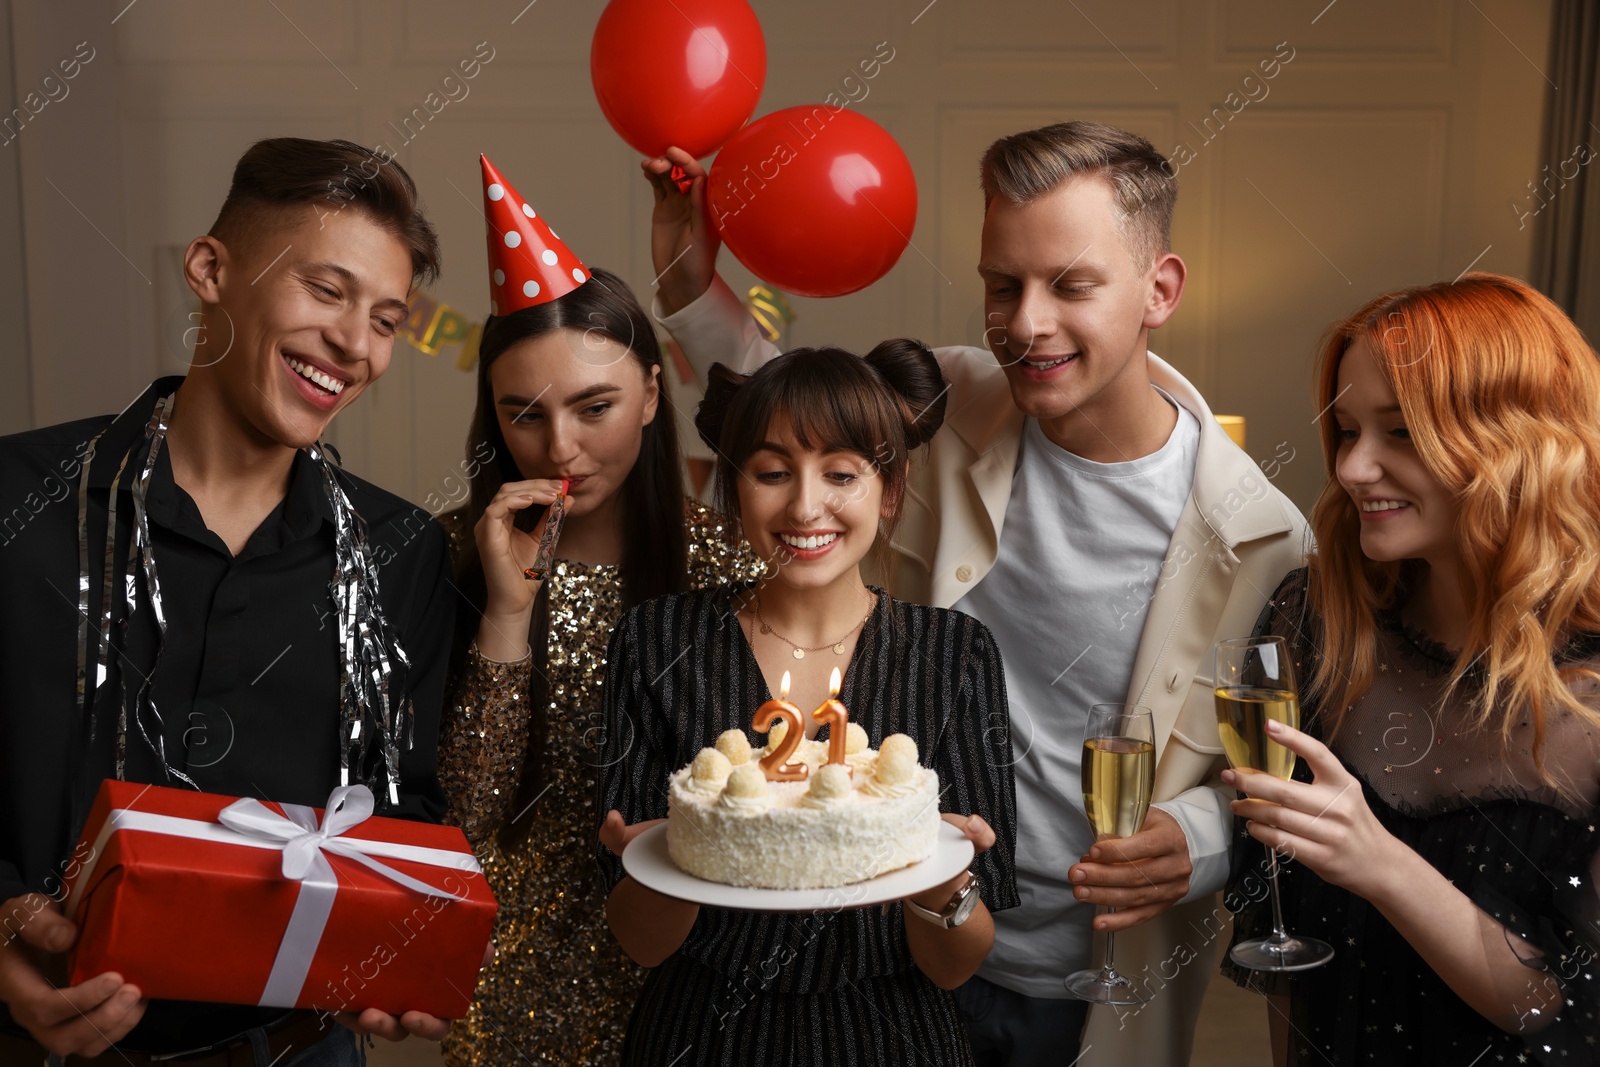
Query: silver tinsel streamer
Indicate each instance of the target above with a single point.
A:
(370, 655)
(106, 607)
(143, 553)
(373, 699)
(83, 583)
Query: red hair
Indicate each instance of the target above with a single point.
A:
(1501, 394)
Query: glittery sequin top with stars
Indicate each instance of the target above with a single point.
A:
(560, 988)
(1520, 848)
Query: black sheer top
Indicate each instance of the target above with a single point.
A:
(1522, 848)
(681, 672)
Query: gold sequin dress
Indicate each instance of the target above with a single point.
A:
(560, 989)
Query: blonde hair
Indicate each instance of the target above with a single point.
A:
(1027, 165)
(1501, 395)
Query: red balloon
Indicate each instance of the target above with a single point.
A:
(816, 200)
(678, 72)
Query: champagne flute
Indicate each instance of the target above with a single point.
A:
(1254, 684)
(1119, 775)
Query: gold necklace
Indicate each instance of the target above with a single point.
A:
(800, 652)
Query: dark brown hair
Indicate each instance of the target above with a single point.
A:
(655, 544)
(284, 172)
(1030, 164)
(881, 407)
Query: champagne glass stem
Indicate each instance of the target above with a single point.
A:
(1279, 934)
(1110, 969)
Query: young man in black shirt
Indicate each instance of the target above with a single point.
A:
(193, 594)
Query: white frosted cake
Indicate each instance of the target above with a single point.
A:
(842, 823)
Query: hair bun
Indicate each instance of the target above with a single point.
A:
(722, 382)
(912, 371)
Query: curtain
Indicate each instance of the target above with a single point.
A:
(1563, 204)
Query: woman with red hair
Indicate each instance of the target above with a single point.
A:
(1442, 819)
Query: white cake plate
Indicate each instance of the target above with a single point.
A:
(647, 862)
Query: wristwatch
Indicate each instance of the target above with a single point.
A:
(958, 911)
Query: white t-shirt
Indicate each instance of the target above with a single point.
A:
(1079, 555)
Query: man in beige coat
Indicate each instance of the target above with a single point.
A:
(1082, 502)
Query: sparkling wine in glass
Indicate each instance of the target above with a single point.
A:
(1119, 775)
(1255, 684)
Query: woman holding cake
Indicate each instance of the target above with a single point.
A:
(813, 454)
(1446, 638)
(568, 390)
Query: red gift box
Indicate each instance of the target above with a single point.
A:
(194, 896)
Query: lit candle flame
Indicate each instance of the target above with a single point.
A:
(837, 718)
(775, 764)
(783, 687)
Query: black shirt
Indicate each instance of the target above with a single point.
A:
(247, 684)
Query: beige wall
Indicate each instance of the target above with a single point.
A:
(1385, 153)
(15, 408)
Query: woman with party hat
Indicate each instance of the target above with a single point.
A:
(577, 512)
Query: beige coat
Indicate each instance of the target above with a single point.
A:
(1235, 540)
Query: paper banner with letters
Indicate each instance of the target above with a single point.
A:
(434, 326)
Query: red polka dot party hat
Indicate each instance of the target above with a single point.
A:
(528, 263)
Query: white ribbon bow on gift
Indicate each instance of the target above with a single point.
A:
(304, 846)
(304, 843)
